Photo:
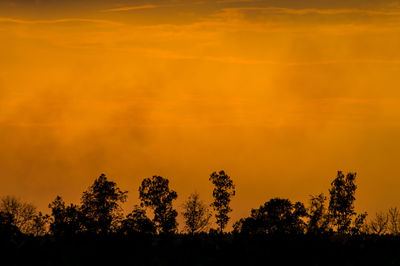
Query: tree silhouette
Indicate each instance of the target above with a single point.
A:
(394, 221)
(100, 205)
(23, 215)
(341, 204)
(8, 229)
(196, 214)
(379, 225)
(65, 220)
(318, 222)
(359, 225)
(222, 193)
(277, 216)
(155, 193)
(39, 225)
(137, 222)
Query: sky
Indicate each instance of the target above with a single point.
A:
(281, 94)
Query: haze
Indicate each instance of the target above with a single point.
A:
(279, 94)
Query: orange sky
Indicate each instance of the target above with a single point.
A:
(279, 94)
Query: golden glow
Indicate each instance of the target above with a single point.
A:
(279, 94)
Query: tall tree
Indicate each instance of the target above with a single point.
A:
(224, 190)
(100, 205)
(341, 204)
(196, 214)
(155, 193)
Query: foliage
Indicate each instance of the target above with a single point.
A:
(23, 216)
(8, 229)
(65, 220)
(137, 222)
(318, 222)
(224, 189)
(40, 224)
(155, 193)
(359, 224)
(100, 213)
(379, 224)
(277, 216)
(196, 214)
(100, 205)
(394, 221)
(341, 203)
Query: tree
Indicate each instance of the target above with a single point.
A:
(40, 224)
(318, 222)
(394, 221)
(155, 193)
(222, 193)
(196, 214)
(65, 220)
(341, 204)
(8, 229)
(100, 205)
(137, 222)
(23, 215)
(277, 216)
(359, 225)
(379, 224)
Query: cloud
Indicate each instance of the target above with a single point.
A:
(235, 1)
(307, 11)
(164, 54)
(129, 8)
(57, 21)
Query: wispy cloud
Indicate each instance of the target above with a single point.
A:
(129, 8)
(158, 53)
(235, 1)
(307, 11)
(57, 21)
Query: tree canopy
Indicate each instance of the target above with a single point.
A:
(196, 214)
(277, 216)
(100, 205)
(100, 212)
(224, 190)
(155, 193)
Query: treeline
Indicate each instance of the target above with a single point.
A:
(100, 213)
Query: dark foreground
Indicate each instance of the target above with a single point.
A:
(201, 250)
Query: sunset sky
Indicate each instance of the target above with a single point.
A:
(279, 93)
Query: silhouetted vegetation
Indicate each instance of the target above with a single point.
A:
(277, 216)
(326, 231)
(65, 220)
(137, 222)
(222, 193)
(23, 216)
(319, 222)
(341, 204)
(100, 206)
(155, 193)
(196, 214)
